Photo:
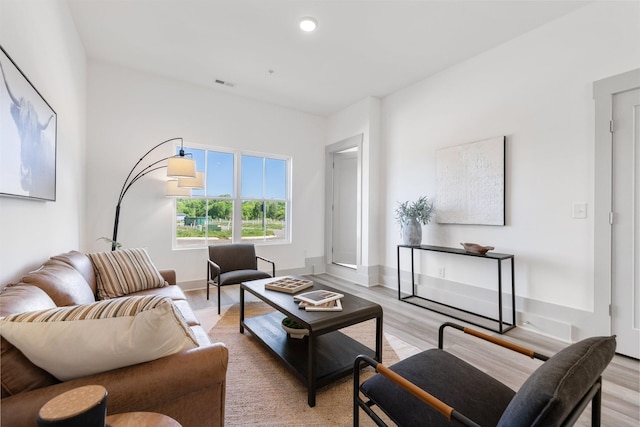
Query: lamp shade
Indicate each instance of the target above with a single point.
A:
(174, 191)
(181, 167)
(197, 182)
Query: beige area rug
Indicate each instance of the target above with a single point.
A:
(262, 392)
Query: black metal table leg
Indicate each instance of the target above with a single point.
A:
(513, 294)
(379, 338)
(241, 310)
(398, 261)
(311, 369)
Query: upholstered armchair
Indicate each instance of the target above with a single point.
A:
(436, 388)
(232, 264)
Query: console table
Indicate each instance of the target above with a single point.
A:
(458, 313)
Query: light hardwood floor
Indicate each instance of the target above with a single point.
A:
(419, 328)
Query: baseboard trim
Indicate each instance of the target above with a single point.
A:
(193, 285)
(362, 275)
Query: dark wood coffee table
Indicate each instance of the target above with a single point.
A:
(326, 354)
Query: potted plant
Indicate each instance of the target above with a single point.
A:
(410, 216)
(295, 330)
(111, 242)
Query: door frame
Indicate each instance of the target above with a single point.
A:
(330, 150)
(603, 92)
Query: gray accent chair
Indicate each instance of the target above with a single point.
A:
(232, 264)
(436, 388)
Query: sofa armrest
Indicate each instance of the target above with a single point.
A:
(169, 276)
(187, 386)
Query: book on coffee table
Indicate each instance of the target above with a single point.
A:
(289, 285)
(334, 305)
(318, 297)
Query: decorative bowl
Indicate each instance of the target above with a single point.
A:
(474, 248)
(297, 333)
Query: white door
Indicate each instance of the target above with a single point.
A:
(625, 245)
(345, 208)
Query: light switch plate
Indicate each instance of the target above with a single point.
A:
(579, 210)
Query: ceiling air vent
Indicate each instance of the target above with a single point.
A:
(222, 82)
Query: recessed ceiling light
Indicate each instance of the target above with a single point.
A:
(308, 24)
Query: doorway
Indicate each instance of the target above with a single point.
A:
(344, 197)
(625, 249)
(345, 208)
(617, 207)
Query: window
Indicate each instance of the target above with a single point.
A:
(245, 199)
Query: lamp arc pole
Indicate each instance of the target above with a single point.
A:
(133, 178)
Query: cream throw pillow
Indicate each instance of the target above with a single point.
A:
(73, 342)
(124, 271)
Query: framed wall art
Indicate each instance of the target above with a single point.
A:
(471, 183)
(28, 132)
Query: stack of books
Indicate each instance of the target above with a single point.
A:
(289, 285)
(320, 300)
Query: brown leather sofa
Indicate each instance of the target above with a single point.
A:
(188, 386)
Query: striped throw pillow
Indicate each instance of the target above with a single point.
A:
(123, 272)
(73, 342)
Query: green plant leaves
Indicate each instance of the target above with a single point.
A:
(420, 210)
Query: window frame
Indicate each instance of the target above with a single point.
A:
(237, 199)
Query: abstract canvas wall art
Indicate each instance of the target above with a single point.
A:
(471, 183)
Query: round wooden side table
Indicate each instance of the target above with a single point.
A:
(141, 419)
(82, 406)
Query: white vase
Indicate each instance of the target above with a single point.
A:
(296, 333)
(412, 233)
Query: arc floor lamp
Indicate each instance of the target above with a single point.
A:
(181, 168)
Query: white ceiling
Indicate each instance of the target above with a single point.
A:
(361, 47)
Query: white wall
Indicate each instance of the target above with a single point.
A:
(40, 37)
(536, 90)
(130, 112)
